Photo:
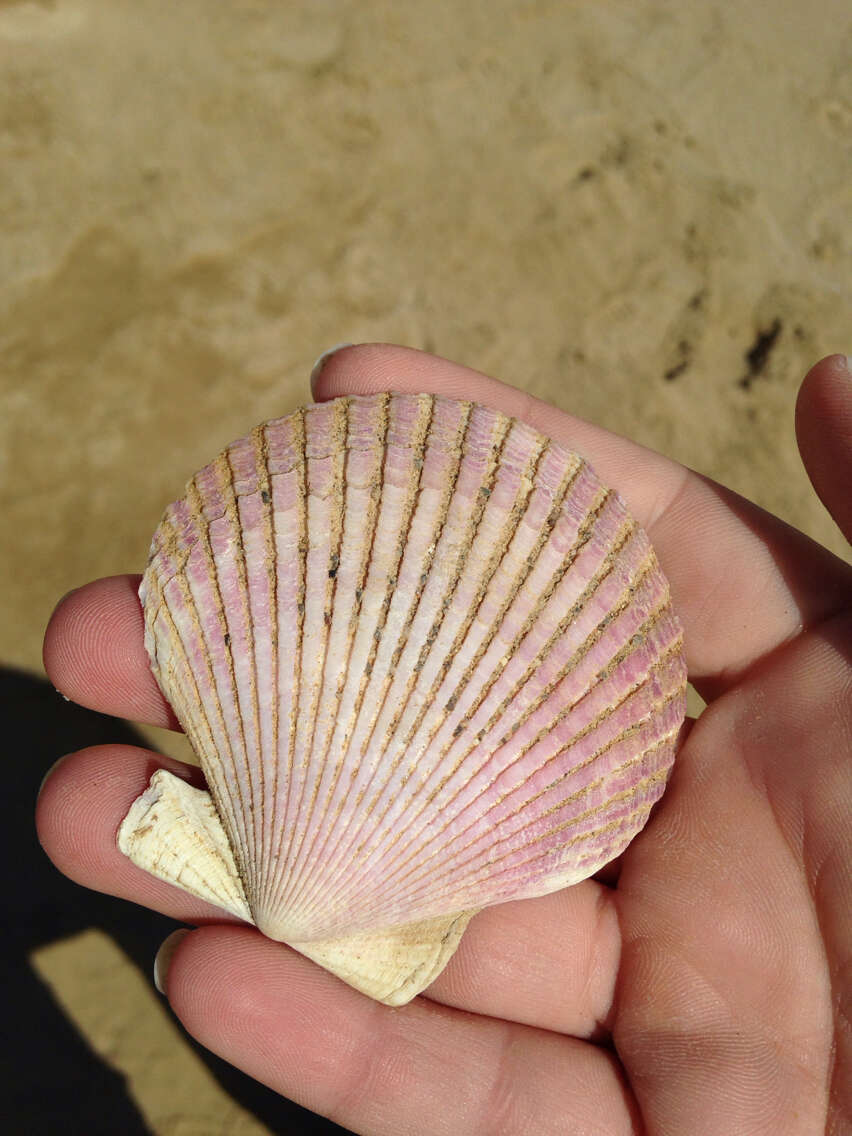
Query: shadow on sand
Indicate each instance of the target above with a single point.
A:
(54, 1081)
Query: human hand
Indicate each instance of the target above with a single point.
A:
(700, 989)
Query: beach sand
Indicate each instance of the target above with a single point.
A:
(639, 212)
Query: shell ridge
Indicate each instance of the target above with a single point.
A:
(540, 701)
(260, 443)
(299, 467)
(588, 814)
(373, 508)
(461, 561)
(462, 882)
(541, 655)
(492, 564)
(227, 538)
(418, 457)
(470, 528)
(567, 479)
(386, 576)
(426, 414)
(189, 700)
(530, 621)
(543, 695)
(359, 599)
(436, 531)
(311, 777)
(607, 748)
(238, 525)
(319, 481)
(583, 536)
(554, 878)
(421, 868)
(577, 656)
(380, 755)
(414, 603)
(454, 818)
(591, 727)
(260, 457)
(427, 648)
(217, 778)
(423, 857)
(587, 522)
(517, 583)
(629, 731)
(239, 837)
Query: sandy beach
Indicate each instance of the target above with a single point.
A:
(637, 212)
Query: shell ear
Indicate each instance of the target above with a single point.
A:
(395, 966)
(173, 831)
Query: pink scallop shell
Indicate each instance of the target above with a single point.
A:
(427, 661)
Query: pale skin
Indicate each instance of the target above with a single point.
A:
(699, 986)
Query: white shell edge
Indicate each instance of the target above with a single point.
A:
(173, 832)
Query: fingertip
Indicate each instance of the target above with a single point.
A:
(60, 761)
(836, 364)
(83, 801)
(371, 368)
(813, 378)
(826, 383)
(86, 622)
(322, 362)
(365, 368)
(53, 651)
(824, 434)
(164, 957)
(47, 799)
(67, 842)
(94, 652)
(79, 794)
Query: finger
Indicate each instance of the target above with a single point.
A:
(732, 904)
(81, 805)
(742, 580)
(510, 955)
(423, 1068)
(514, 957)
(824, 433)
(94, 652)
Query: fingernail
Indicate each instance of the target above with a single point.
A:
(51, 771)
(164, 957)
(318, 367)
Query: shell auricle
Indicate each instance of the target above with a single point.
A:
(428, 663)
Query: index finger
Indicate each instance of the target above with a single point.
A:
(742, 580)
(94, 652)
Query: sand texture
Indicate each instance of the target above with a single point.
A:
(638, 210)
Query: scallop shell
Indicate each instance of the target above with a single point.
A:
(428, 663)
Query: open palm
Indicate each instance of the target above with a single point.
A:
(697, 988)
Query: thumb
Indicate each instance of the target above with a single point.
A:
(824, 434)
